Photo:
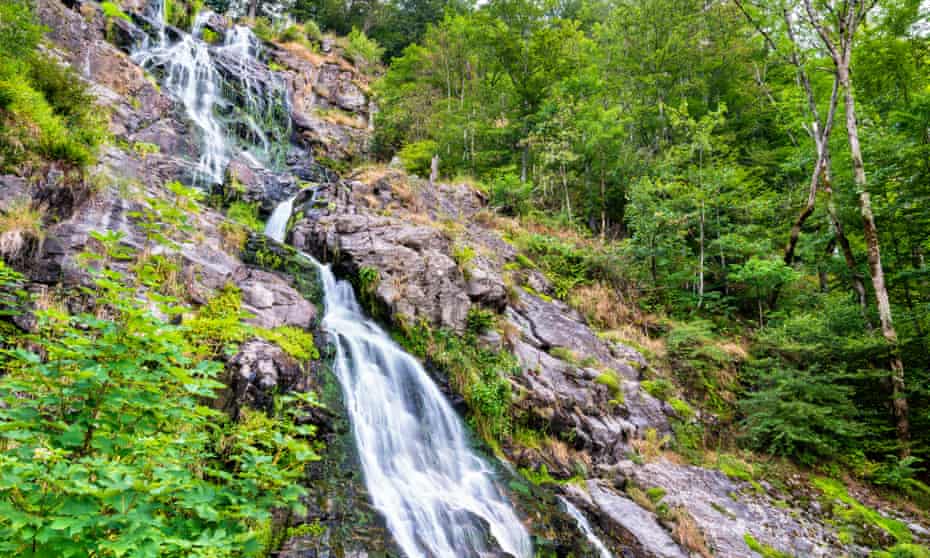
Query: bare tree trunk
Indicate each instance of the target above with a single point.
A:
(839, 43)
(701, 261)
(898, 386)
(434, 170)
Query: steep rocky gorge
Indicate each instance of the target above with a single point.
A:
(433, 255)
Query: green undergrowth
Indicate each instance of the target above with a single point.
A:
(765, 550)
(46, 112)
(118, 450)
(850, 513)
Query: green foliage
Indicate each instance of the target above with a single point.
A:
(245, 214)
(799, 413)
(362, 50)
(46, 111)
(903, 551)
(853, 512)
(510, 194)
(312, 31)
(117, 450)
(295, 341)
(113, 10)
(480, 375)
(480, 320)
(291, 33)
(417, 157)
(660, 388)
(765, 550)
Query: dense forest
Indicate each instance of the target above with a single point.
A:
(738, 189)
(752, 173)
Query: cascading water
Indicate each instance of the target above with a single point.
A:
(189, 75)
(439, 499)
(586, 528)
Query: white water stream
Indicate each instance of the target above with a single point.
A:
(586, 528)
(439, 499)
(191, 77)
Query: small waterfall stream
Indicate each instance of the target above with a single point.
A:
(585, 527)
(191, 77)
(439, 499)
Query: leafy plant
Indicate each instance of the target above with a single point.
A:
(116, 449)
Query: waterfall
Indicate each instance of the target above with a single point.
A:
(438, 497)
(586, 528)
(191, 77)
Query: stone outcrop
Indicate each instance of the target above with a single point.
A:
(330, 109)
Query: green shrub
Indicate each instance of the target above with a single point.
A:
(47, 112)
(511, 195)
(312, 31)
(480, 320)
(362, 50)
(798, 413)
(292, 33)
(245, 214)
(113, 10)
(117, 449)
(418, 156)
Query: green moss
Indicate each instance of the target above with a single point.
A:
(525, 262)
(681, 408)
(903, 551)
(734, 468)
(296, 342)
(538, 295)
(856, 512)
(655, 494)
(210, 36)
(610, 379)
(660, 389)
(765, 550)
(111, 9)
(566, 354)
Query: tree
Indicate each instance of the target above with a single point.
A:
(836, 29)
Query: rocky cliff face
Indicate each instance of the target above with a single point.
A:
(437, 251)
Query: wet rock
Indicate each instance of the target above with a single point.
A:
(250, 181)
(258, 372)
(627, 522)
(416, 276)
(13, 189)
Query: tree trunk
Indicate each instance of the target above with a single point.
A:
(898, 386)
